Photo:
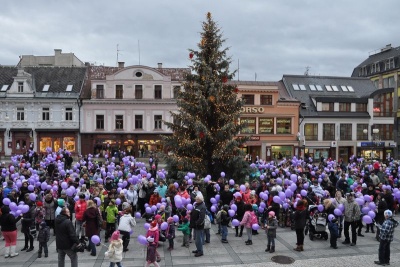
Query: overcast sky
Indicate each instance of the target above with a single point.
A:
(270, 38)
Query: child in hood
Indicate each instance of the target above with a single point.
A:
(270, 229)
(43, 238)
(114, 252)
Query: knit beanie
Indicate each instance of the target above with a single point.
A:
(115, 236)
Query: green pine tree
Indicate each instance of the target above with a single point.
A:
(204, 139)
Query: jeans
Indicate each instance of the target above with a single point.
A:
(384, 251)
(271, 240)
(185, 240)
(72, 255)
(92, 247)
(199, 233)
(224, 232)
(353, 231)
(249, 233)
(126, 237)
(79, 229)
(207, 234)
(171, 242)
(43, 245)
(112, 264)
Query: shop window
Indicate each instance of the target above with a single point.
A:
(248, 99)
(327, 106)
(283, 126)
(157, 92)
(46, 114)
(99, 122)
(311, 131)
(328, 131)
(119, 122)
(266, 125)
(249, 125)
(20, 114)
(361, 107)
(44, 143)
(176, 91)
(68, 114)
(266, 100)
(344, 107)
(281, 152)
(138, 91)
(69, 143)
(56, 144)
(99, 91)
(138, 121)
(360, 132)
(158, 122)
(1, 144)
(119, 91)
(345, 131)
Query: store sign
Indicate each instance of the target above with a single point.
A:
(372, 144)
(252, 110)
(254, 138)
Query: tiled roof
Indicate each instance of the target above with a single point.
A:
(57, 77)
(363, 87)
(177, 74)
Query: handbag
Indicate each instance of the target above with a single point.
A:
(104, 225)
(77, 247)
(32, 231)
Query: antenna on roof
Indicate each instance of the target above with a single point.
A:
(306, 73)
(118, 53)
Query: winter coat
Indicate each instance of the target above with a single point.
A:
(80, 207)
(162, 190)
(8, 222)
(154, 233)
(197, 216)
(333, 229)
(50, 209)
(382, 206)
(184, 227)
(225, 218)
(300, 219)
(132, 197)
(246, 221)
(112, 213)
(126, 223)
(351, 211)
(226, 197)
(65, 232)
(43, 234)
(272, 224)
(28, 220)
(91, 217)
(240, 210)
(170, 232)
(114, 252)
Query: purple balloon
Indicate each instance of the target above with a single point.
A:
(213, 200)
(360, 201)
(138, 215)
(32, 196)
(146, 226)
(255, 227)
(231, 213)
(303, 193)
(367, 219)
(25, 209)
(337, 212)
(164, 226)
(234, 207)
(64, 185)
(320, 208)
(6, 201)
(331, 217)
(217, 197)
(95, 239)
(13, 206)
(153, 208)
(148, 210)
(176, 218)
(231, 182)
(213, 209)
(189, 206)
(235, 222)
(118, 201)
(142, 240)
(277, 199)
(365, 210)
(243, 188)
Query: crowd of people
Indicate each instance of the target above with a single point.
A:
(77, 202)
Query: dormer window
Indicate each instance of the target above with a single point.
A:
(20, 87)
(46, 88)
(4, 88)
(69, 88)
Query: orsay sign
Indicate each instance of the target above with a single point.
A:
(252, 110)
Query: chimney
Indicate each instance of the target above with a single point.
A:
(387, 47)
(121, 64)
(57, 51)
(159, 65)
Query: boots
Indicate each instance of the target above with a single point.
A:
(241, 231)
(7, 252)
(237, 231)
(249, 242)
(26, 246)
(299, 248)
(272, 249)
(268, 248)
(12, 252)
(39, 255)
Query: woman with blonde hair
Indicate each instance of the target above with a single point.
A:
(91, 221)
(339, 199)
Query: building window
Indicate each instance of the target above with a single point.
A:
(327, 106)
(20, 87)
(99, 91)
(138, 121)
(20, 114)
(138, 92)
(45, 114)
(266, 125)
(360, 132)
(361, 107)
(389, 64)
(119, 122)
(328, 131)
(283, 126)
(158, 122)
(69, 143)
(266, 100)
(388, 82)
(119, 92)
(249, 125)
(68, 114)
(385, 132)
(157, 92)
(345, 131)
(176, 91)
(383, 105)
(248, 99)
(311, 131)
(99, 122)
(344, 107)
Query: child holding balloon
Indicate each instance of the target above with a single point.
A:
(115, 250)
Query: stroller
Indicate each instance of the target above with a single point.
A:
(316, 225)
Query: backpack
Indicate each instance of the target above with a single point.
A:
(218, 216)
(253, 218)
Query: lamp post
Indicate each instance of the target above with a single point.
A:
(299, 144)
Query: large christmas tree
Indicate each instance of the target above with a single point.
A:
(205, 129)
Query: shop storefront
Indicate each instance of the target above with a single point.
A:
(21, 141)
(2, 147)
(281, 152)
(316, 153)
(374, 151)
(56, 140)
(345, 153)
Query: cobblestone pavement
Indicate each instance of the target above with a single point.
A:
(234, 253)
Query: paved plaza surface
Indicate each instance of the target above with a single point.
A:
(234, 253)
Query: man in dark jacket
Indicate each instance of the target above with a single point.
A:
(226, 196)
(65, 238)
(197, 216)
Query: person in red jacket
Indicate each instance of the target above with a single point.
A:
(80, 208)
(154, 198)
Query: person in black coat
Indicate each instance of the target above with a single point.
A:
(226, 196)
(239, 215)
(300, 218)
(381, 207)
(27, 223)
(8, 225)
(65, 238)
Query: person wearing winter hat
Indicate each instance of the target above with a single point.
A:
(170, 233)
(8, 225)
(155, 233)
(111, 218)
(270, 228)
(152, 256)
(43, 238)
(300, 218)
(386, 237)
(61, 204)
(126, 224)
(115, 250)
